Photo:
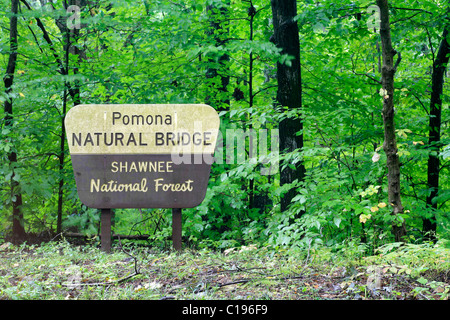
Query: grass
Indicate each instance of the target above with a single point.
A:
(61, 271)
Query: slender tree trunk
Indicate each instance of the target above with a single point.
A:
(75, 94)
(61, 166)
(289, 92)
(62, 146)
(390, 143)
(218, 69)
(434, 135)
(16, 196)
(251, 184)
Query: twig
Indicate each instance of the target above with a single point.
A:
(237, 270)
(136, 269)
(413, 9)
(399, 58)
(363, 74)
(421, 103)
(136, 272)
(430, 43)
(99, 283)
(370, 77)
(256, 279)
(286, 278)
(233, 282)
(404, 19)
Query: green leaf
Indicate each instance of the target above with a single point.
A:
(422, 280)
(223, 177)
(337, 221)
(300, 197)
(16, 177)
(446, 152)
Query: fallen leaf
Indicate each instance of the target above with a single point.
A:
(228, 251)
(6, 245)
(439, 289)
(153, 285)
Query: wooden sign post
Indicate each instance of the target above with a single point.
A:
(105, 230)
(142, 156)
(176, 228)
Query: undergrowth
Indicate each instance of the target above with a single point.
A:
(60, 270)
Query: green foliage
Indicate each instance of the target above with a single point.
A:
(87, 221)
(170, 52)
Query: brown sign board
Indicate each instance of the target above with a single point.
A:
(142, 156)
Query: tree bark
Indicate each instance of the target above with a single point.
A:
(434, 135)
(218, 69)
(289, 94)
(75, 94)
(16, 196)
(251, 183)
(390, 143)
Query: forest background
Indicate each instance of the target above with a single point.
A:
(331, 188)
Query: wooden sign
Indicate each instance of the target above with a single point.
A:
(142, 156)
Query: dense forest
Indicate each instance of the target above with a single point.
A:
(349, 99)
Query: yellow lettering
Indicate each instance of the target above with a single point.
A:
(113, 186)
(174, 187)
(152, 167)
(133, 167)
(143, 166)
(95, 185)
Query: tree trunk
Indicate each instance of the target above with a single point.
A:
(289, 92)
(62, 146)
(218, 69)
(75, 94)
(16, 196)
(434, 135)
(251, 186)
(390, 143)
